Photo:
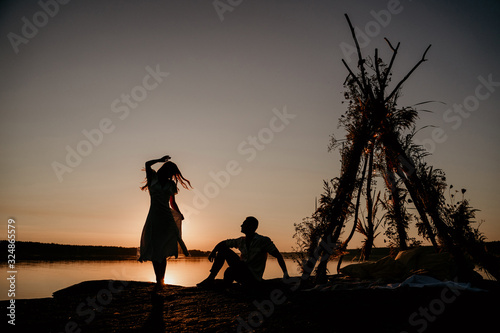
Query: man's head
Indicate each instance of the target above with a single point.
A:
(249, 225)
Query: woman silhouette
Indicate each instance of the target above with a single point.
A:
(161, 234)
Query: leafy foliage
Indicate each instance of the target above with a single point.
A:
(310, 230)
(368, 230)
(381, 133)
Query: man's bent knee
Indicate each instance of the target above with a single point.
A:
(230, 256)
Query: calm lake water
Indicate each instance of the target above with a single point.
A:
(39, 279)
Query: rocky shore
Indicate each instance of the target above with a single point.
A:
(347, 305)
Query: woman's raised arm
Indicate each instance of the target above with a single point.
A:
(158, 160)
(151, 162)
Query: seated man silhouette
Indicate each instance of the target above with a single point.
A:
(248, 269)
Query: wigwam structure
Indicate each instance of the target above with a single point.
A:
(379, 139)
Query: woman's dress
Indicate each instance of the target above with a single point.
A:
(160, 234)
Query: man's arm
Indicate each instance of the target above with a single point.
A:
(281, 262)
(222, 245)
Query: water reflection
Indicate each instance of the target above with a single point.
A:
(38, 279)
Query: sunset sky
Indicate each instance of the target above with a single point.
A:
(243, 97)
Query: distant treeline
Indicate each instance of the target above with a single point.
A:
(51, 251)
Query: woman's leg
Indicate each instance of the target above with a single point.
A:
(160, 268)
(163, 269)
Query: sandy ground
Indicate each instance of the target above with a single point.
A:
(130, 306)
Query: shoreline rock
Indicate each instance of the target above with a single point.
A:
(129, 306)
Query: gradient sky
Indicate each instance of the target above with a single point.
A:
(230, 74)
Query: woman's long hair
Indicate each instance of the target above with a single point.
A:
(169, 170)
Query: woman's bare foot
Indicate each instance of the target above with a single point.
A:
(158, 287)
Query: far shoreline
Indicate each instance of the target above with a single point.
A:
(37, 251)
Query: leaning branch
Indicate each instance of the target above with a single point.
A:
(389, 68)
(361, 62)
(353, 76)
(407, 75)
(380, 92)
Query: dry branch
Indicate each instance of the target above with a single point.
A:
(366, 88)
(408, 75)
